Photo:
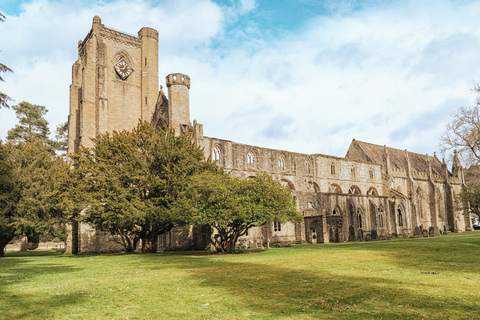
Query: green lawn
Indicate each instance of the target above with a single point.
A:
(432, 278)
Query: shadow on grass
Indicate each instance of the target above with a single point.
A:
(299, 289)
(277, 291)
(19, 272)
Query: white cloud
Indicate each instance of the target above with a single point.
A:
(389, 74)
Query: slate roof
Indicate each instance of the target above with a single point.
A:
(418, 162)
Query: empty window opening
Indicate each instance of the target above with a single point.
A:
(400, 217)
(307, 167)
(277, 226)
(250, 159)
(216, 154)
(281, 163)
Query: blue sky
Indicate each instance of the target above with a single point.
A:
(298, 75)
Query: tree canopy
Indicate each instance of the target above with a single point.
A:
(28, 178)
(32, 123)
(463, 133)
(129, 181)
(231, 206)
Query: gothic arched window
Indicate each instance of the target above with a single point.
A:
(281, 163)
(216, 154)
(250, 159)
(307, 167)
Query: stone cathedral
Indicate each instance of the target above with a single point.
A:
(373, 193)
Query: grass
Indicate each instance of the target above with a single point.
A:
(431, 278)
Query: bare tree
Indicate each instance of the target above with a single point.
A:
(463, 133)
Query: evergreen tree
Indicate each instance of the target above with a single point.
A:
(32, 123)
(28, 177)
(127, 183)
(61, 138)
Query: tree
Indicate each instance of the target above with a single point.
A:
(32, 123)
(463, 133)
(127, 183)
(231, 206)
(463, 136)
(3, 68)
(28, 177)
(61, 138)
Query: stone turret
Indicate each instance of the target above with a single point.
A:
(178, 102)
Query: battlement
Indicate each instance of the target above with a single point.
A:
(178, 79)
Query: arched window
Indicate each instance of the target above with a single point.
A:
(400, 217)
(354, 190)
(380, 217)
(419, 203)
(216, 154)
(307, 167)
(353, 171)
(359, 217)
(335, 188)
(332, 168)
(287, 184)
(281, 163)
(337, 211)
(370, 172)
(309, 205)
(250, 159)
(372, 192)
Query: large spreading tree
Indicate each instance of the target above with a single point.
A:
(128, 182)
(231, 206)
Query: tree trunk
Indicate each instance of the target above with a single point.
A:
(24, 244)
(149, 241)
(3, 243)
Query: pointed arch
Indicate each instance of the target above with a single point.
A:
(400, 215)
(335, 188)
(251, 159)
(360, 216)
(337, 211)
(381, 218)
(354, 190)
(217, 154)
(288, 184)
(372, 192)
(122, 53)
(281, 163)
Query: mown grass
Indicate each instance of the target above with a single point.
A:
(432, 278)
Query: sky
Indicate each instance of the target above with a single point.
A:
(298, 75)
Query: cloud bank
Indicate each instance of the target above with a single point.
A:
(388, 72)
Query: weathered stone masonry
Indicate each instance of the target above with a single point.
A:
(375, 192)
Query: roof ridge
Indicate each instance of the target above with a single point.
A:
(410, 152)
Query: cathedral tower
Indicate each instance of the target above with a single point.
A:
(114, 83)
